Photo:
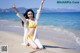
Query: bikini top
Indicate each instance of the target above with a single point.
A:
(32, 24)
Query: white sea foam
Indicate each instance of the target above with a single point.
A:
(78, 40)
(69, 34)
(15, 26)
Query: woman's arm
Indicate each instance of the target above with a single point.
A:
(25, 23)
(39, 10)
(19, 14)
(37, 17)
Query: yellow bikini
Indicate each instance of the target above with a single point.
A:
(31, 25)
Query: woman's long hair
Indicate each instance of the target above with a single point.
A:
(26, 16)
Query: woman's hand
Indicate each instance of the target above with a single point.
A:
(14, 6)
(43, 1)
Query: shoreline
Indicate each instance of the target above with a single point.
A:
(15, 22)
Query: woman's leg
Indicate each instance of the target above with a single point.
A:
(38, 43)
(32, 43)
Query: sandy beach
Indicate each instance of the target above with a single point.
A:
(55, 40)
(14, 41)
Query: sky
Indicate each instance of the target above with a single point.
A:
(50, 4)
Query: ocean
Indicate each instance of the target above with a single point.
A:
(69, 20)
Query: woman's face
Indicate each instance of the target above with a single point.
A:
(30, 15)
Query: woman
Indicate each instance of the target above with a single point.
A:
(30, 26)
